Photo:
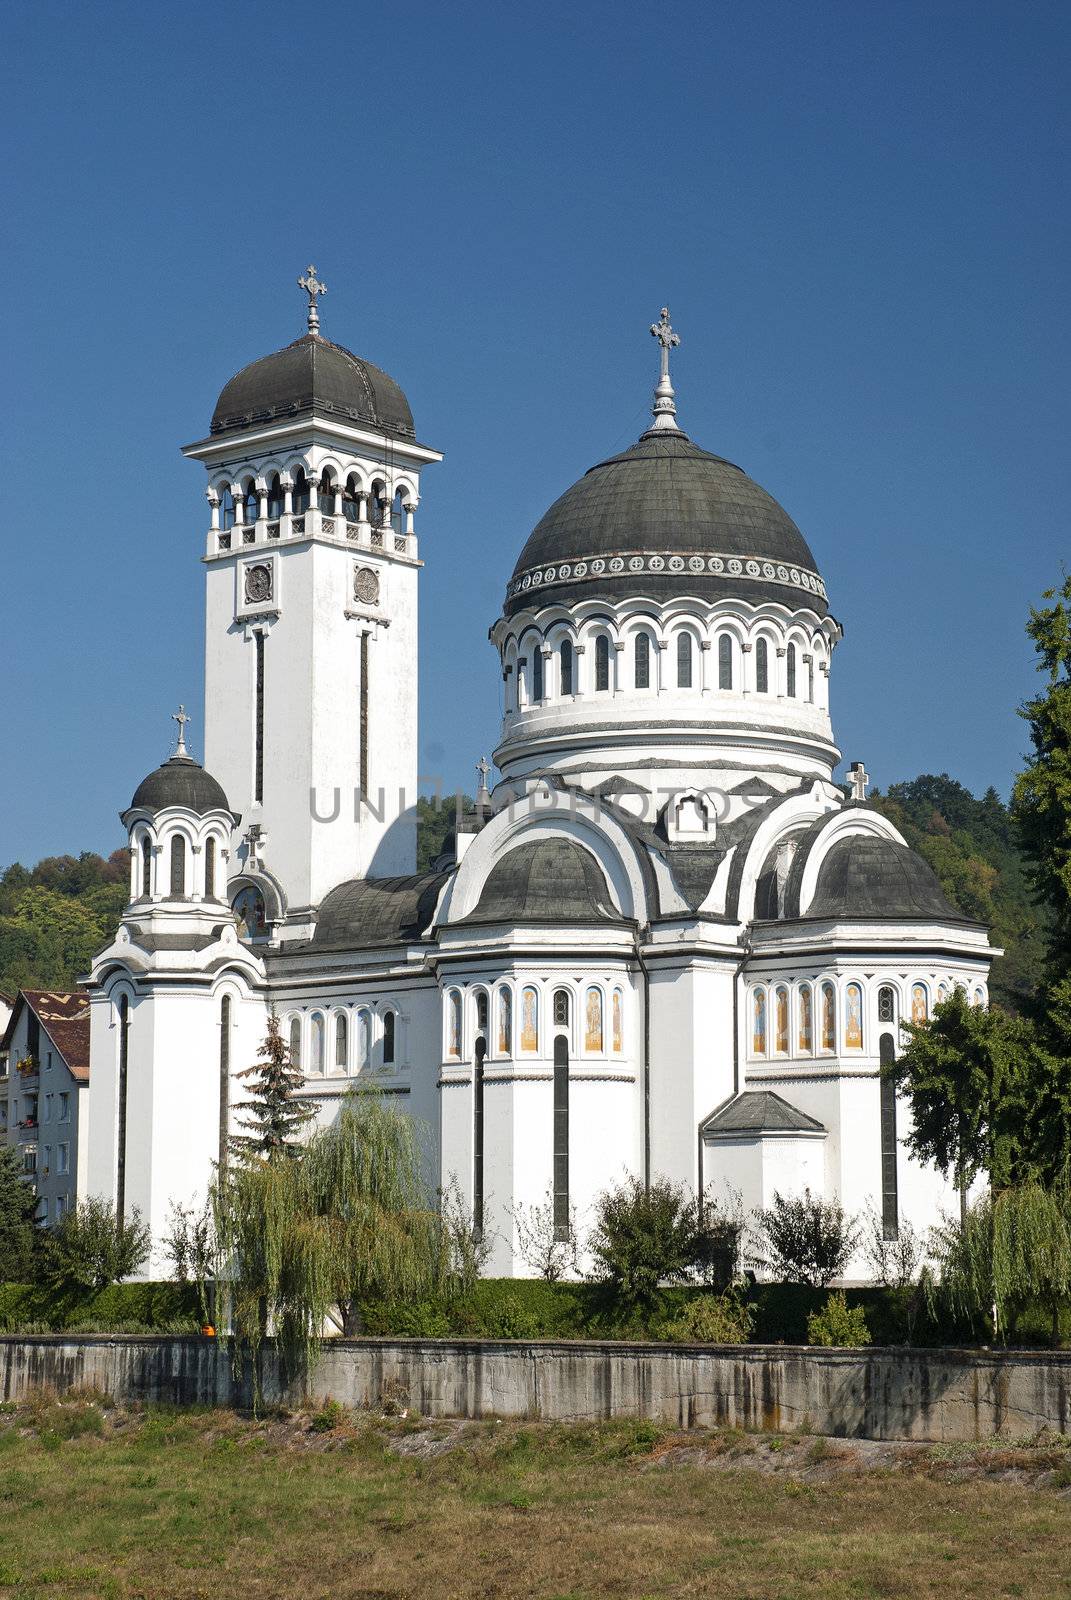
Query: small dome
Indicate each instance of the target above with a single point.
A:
(313, 374)
(865, 877)
(550, 880)
(180, 782)
(666, 518)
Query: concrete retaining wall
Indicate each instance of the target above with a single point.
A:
(871, 1394)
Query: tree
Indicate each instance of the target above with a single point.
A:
(643, 1237)
(805, 1239)
(92, 1247)
(18, 1231)
(277, 1111)
(549, 1250)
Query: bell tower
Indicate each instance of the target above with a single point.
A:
(312, 572)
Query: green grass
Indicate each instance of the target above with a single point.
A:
(169, 1505)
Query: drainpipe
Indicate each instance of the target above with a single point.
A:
(646, 1070)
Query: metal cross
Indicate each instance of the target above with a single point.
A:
(181, 718)
(483, 767)
(666, 338)
(312, 287)
(858, 778)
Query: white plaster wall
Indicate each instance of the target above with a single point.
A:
(691, 1055)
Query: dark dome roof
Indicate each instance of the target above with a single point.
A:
(368, 912)
(313, 373)
(180, 782)
(550, 880)
(864, 877)
(668, 518)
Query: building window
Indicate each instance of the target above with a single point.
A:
(616, 1021)
(829, 1017)
(316, 1063)
(146, 866)
(63, 1159)
(342, 1042)
(299, 500)
(295, 1043)
(781, 1020)
(505, 1022)
(762, 667)
(210, 868)
(389, 1026)
(226, 507)
(65, 1108)
(350, 507)
(725, 661)
(810, 680)
(565, 658)
(326, 494)
(251, 506)
(48, 1109)
(364, 1039)
(561, 1008)
(602, 664)
(529, 1019)
(537, 673)
(453, 1024)
(684, 661)
(378, 510)
(643, 661)
(853, 1017)
(593, 1019)
(790, 670)
(806, 1028)
(886, 1004)
(758, 1022)
(29, 1158)
(275, 499)
(561, 1137)
(178, 866)
(890, 1198)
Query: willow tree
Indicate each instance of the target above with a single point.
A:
(1011, 1250)
(348, 1219)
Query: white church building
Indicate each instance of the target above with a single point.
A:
(664, 944)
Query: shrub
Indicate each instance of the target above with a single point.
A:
(92, 1247)
(713, 1319)
(331, 1415)
(550, 1249)
(643, 1237)
(893, 1263)
(805, 1239)
(838, 1324)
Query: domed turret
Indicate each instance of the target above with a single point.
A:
(313, 375)
(180, 823)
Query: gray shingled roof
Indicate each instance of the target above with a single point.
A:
(760, 1111)
(547, 880)
(668, 497)
(313, 373)
(368, 912)
(864, 877)
(180, 782)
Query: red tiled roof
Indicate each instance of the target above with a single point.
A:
(64, 1015)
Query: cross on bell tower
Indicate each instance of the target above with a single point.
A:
(312, 287)
(665, 409)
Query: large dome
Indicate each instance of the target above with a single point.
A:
(864, 877)
(313, 374)
(180, 782)
(666, 518)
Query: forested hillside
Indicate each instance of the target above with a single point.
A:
(55, 917)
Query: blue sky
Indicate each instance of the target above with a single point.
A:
(858, 214)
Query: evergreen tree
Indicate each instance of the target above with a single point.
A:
(277, 1110)
(18, 1232)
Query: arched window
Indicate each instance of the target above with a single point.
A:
(602, 663)
(561, 1008)
(224, 1075)
(300, 498)
(342, 1042)
(979, 997)
(529, 1019)
(326, 495)
(920, 1004)
(725, 661)
(377, 511)
(684, 661)
(350, 505)
(829, 1017)
(810, 680)
(758, 1022)
(790, 671)
(853, 1017)
(481, 1012)
(762, 666)
(505, 1022)
(178, 865)
(389, 1026)
(943, 993)
(226, 507)
(317, 1041)
(643, 661)
(146, 866)
(886, 1004)
(252, 503)
(565, 658)
(364, 1039)
(781, 1020)
(275, 498)
(806, 1028)
(295, 1043)
(537, 672)
(453, 1024)
(593, 1019)
(397, 512)
(210, 867)
(248, 908)
(616, 1021)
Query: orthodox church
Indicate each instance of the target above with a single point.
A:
(664, 943)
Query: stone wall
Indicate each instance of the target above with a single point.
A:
(949, 1395)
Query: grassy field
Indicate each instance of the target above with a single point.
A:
(104, 1502)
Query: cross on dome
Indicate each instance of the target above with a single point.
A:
(181, 718)
(312, 287)
(665, 410)
(858, 778)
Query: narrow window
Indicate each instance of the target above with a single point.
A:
(224, 1076)
(210, 867)
(388, 1038)
(781, 1020)
(616, 1021)
(317, 1041)
(886, 1004)
(364, 714)
(300, 498)
(505, 1022)
(593, 1019)
(602, 663)
(561, 1008)
(342, 1042)
(453, 1024)
(853, 1017)
(364, 1039)
(397, 512)
(806, 1030)
(350, 506)
(762, 667)
(810, 680)
(529, 1019)
(275, 499)
(943, 993)
(251, 503)
(295, 1043)
(565, 657)
(146, 867)
(226, 508)
(537, 673)
(258, 731)
(561, 1137)
(758, 1022)
(829, 1017)
(481, 1013)
(378, 511)
(124, 1059)
(890, 1199)
(684, 661)
(178, 865)
(725, 661)
(326, 494)
(643, 661)
(790, 670)
(477, 1138)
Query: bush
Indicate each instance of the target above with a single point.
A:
(642, 1237)
(92, 1247)
(838, 1324)
(713, 1319)
(806, 1239)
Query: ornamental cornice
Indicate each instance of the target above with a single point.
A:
(633, 563)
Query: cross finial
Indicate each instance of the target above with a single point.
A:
(312, 287)
(181, 718)
(858, 778)
(483, 769)
(665, 410)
